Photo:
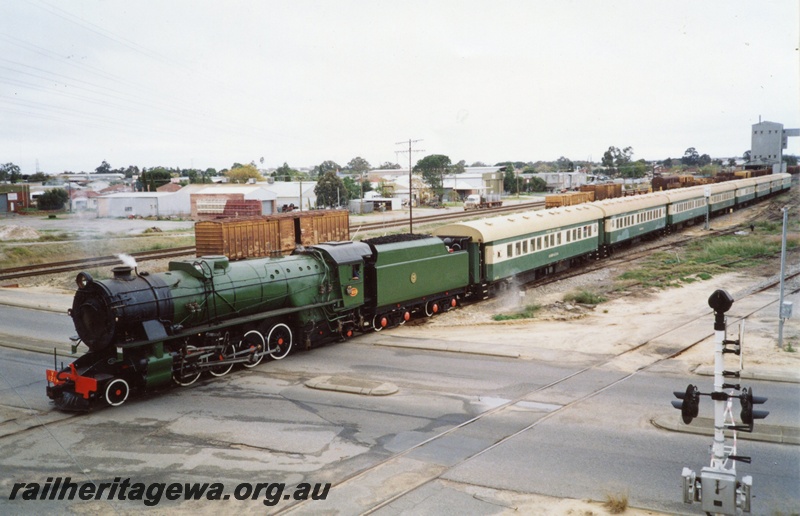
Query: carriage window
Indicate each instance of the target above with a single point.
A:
(558, 239)
(519, 248)
(525, 247)
(539, 243)
(510, 250)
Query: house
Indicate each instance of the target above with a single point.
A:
(83, 200)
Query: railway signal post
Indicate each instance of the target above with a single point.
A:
(717, 486)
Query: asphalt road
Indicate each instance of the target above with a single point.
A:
(458, 422)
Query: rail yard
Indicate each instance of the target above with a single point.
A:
(513, 390)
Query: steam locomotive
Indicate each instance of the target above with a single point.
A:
(206, 315)
(146, 331)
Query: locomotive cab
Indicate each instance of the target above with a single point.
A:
(348, 260)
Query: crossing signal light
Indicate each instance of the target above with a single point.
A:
(689, 404)
(748, 415)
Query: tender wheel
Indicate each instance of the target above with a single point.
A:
(225, 354)
(117, 392)
(431, 307)
(379, 322)
(187, 378)
(279, 339)
(254, 342)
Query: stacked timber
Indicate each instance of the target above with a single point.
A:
(603, 191)
(567, 199)
(269, 235)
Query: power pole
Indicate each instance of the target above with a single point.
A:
(410, 187)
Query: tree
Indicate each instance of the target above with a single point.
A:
(352, 187)
(359, 165)
(478, 164)
(131, 171)
(243, 174)
(634, 169)
(287, 173)
(325, 167)
(330, 190)
(565, 164)
(389, 166)
(536, 184)
(433, 168)
(53, 199)
(10, 172)
(104, 168)
(510, 182)
(667, 163)
(38, 177)
(151, 179)
(615, 158)
(691, 157)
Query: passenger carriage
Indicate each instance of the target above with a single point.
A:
(687, 206)
(630, 218)
(530, 244)
(723, 196)
(780, 182)
(745, 191)
(763, 186)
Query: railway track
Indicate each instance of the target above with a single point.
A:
(102, 261)
(456, 214)
(651, 352)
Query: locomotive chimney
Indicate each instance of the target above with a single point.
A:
(123, 272)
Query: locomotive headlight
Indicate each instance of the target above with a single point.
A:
(83, 279)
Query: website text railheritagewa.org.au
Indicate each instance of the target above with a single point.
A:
(270, 493)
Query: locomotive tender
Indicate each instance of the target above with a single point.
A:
(146, 331)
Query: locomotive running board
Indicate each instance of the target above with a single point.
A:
(227, 323)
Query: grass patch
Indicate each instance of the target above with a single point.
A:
(584, 297)
(529, 312)
(616, 503)
(702, 260)
(730, 248)
(53, 249)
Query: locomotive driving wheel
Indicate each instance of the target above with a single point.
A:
(253, 341)
(187, 374)
(117, 392)
(223, 354)
(279, 341)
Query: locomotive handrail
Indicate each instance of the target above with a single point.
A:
(226, 323)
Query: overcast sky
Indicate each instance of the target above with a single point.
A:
(209, 83)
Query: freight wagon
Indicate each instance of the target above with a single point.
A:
(270, 235)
